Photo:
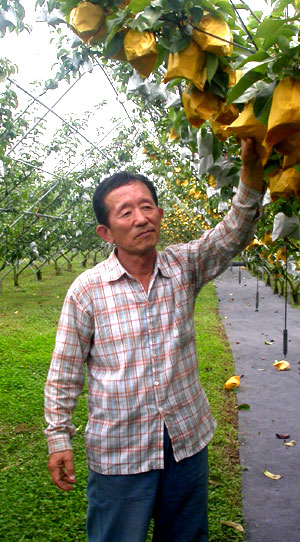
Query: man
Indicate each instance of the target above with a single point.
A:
(130, 320)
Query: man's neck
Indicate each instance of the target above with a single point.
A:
(140, 266)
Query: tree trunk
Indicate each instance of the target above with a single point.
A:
(57, 268)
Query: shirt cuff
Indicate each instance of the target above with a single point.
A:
(246, 192)
(59, 443)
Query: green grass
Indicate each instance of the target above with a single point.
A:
(32, 508)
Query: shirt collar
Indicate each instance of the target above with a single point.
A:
(115, 270)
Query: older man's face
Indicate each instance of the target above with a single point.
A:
(134, 219)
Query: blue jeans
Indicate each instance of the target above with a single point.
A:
(120, 506)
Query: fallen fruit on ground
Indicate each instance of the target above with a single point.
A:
(237, 526)
(272, 476)
(232, 383)
(281, 365)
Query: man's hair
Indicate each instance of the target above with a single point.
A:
(115, 181)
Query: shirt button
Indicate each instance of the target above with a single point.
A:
(156, 383)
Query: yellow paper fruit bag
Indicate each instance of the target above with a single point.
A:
(232, 383)
(173, 135)
(100, 35)
(281, 365)
(290, 161)
(284, 118)
(247, 125)
(140, 50)
(199, 106)
(216, 28)
(284, 183)
(290, 147)
(189, 64)
(225, 115)
(86, 20)
(233, 75)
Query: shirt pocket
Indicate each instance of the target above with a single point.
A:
(183, 331)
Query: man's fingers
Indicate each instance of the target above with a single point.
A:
(248, 150)
(61, 467)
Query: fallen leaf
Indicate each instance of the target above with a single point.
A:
(232, 382)
(16, 312)
(243, 406)
(290, 443)
(215, 480)
(269, 342)
(272, 476)
(281, 365)
(278, 435)
(234, 525)
(260, 369)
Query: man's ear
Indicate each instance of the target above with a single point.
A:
(105, 233)
(161, 212)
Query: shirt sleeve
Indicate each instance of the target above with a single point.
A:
(211, 254)
(66, 374)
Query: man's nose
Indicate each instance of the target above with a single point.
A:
(139, 217)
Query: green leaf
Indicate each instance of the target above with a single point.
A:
(263, 101)
(225, 7)
(179, 45)
(114, 46)
(146, 20)
(268, 27)
(243, 406)
(288, 31)
(174, 5)
(280, 7)
(211, 64)
(283, 43)
(244, 83)
(135, 6)
(219, 84)
(260, 56)
(196, 14)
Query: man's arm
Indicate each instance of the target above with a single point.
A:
(65, 382)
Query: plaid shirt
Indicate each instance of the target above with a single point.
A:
(140, 353)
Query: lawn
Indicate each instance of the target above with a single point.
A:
(32, 508)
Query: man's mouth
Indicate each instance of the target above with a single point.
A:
(144, 233)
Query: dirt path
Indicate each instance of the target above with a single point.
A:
(271, 508)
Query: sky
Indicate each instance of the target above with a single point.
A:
(35, 57)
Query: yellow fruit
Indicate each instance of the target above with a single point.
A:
(189, 64)
(212, 43)
(86, 20)
(284, 183)
(232, 382)
(284, 118)
(247, 125)
(199, 106)
(173, 135)
(225, 115)
(140, 50)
